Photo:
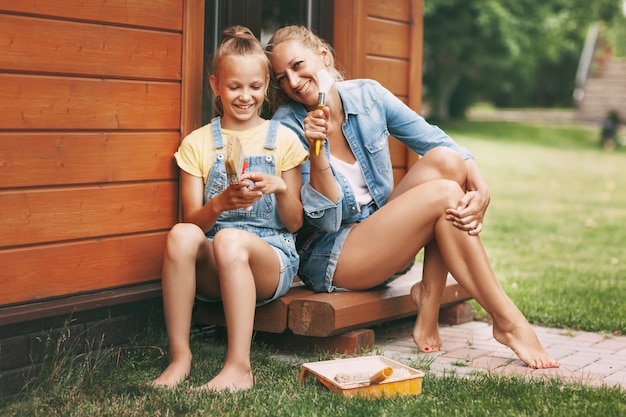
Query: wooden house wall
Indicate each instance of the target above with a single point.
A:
(382, 40)
(94, 99)
(91, 100)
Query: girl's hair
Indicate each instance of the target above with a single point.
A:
(309, 40)
(237, 41)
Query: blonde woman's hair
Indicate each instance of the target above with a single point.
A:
(309, 40)
(237, 41)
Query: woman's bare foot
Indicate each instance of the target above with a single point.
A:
(229, 379)
(426, 328)
(522, 339)
(173, 375)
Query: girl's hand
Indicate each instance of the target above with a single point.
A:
(470, 212)
(264, 183)
(237, 196)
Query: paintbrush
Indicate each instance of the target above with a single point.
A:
(324, 82)
(235, 162)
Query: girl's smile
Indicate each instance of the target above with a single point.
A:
(241, 87)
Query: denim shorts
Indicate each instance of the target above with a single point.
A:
(319, 253)
(285, 247)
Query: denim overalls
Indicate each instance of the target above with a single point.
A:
(262, 219)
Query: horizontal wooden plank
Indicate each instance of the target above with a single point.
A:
(387, 38)
(271, 317)
(46, 102)
(327, 314)
(52, 46)
(72, 304)
(35, 216)
(392, 73)
(350, 343)
(37, 273)
(80, 158)
(166, 14)
(399, 10)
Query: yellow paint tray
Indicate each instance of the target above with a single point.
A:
(404, 380)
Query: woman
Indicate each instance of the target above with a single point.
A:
(358, 230)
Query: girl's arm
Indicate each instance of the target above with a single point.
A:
(192, 193)
(286, 189)
(289, 204)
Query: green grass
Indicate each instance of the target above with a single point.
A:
(122, 390)
(554, 233)
(556, 227)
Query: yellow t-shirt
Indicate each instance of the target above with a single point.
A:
(196, 154)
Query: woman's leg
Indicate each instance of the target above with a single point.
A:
(407, 223)
(186, 245)
(249, 269)
(439, 163)
(427, 296)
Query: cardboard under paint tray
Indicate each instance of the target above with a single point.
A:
(367, 376)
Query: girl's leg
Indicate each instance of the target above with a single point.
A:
(249, 269)
(402, 227)
(186, 245)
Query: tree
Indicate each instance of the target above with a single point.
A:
(511, 53)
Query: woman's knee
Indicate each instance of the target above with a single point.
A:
(449, 192)
(448, 163)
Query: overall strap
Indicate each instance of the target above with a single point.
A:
(216, 129)
(270, 141)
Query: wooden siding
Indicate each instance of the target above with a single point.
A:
(383, 41)
(92, 103)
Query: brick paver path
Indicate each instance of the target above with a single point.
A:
(590, 358)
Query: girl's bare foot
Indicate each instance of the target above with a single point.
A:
(229, 379)
(522, 339)
(426, 328)
(173, 375)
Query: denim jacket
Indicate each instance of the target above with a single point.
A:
(372, 114)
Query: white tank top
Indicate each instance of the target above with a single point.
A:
(354, 175)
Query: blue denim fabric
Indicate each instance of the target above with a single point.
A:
(262, 219)
(372, 114)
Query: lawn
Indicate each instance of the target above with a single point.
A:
(555, 228)
(554, 233)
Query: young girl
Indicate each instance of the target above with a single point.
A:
(359, 230)
(236, 243)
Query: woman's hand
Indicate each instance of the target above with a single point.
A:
(470, 212)
(316, 127)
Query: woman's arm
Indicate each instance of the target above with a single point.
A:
(470, 212)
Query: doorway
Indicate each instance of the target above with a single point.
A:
(263, 17)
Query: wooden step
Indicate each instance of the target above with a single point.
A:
(305, 313)
(328, 314)
(270, 317)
